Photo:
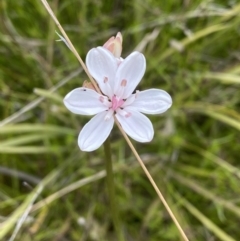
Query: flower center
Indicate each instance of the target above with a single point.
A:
(116, 103)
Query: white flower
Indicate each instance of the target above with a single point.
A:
(117, 83)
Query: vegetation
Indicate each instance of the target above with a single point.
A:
(193, 52)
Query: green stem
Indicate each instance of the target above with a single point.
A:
(111, 190)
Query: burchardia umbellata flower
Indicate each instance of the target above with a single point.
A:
(117, 83)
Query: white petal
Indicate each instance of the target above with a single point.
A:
(102, 64)
(151, 101)
(84, 101)
(95, 132)
(137, 126)
(132, 70)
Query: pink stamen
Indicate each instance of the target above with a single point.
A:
(116, 103)
(101, 98)
(124, 83)
(105, 80)
(128, 114)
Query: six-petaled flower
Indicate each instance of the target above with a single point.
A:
(117, 82)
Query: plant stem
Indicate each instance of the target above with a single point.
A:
(111, 190)
(152, 182)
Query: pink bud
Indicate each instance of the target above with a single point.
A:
(114, 45)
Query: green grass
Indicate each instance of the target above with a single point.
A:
(192, 50)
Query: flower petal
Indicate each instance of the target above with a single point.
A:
(129, 74)
(102, 65)
(95, 132)
(137, 125)
(151, 101)
(84, 101)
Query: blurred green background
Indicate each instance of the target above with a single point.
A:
(192, 49)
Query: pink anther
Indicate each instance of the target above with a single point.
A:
(101, 98)
(105, 80)
(124, 83)
(128, 114)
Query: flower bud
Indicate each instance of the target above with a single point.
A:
(114, 45)
(88, 85)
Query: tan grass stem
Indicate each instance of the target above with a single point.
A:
(48, 8)
(152, 182)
